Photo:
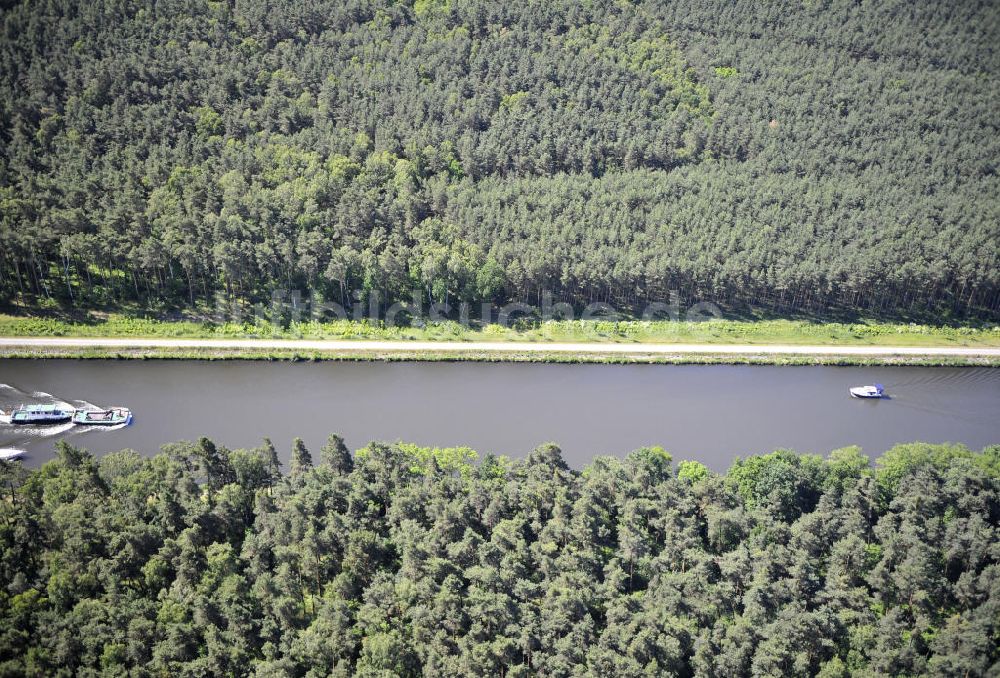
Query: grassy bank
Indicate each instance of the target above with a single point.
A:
(630, 331)
(637, 358)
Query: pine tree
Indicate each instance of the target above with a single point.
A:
(301, 459)
(336, 456)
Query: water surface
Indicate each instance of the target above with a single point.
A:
(711, 413)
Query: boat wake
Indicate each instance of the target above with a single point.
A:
(939, 410)
(939, 393)
(42, 430)
(11, 397)
(961, 376)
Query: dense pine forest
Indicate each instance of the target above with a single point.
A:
(826, 157)
(406, 561)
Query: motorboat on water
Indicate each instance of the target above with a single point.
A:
(874, 391)
(57, 414)
(10, 454)
(109, 417)
(41, 414)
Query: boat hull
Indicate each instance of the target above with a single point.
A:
(103, 423)
(26, 421)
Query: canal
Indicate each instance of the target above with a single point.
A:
(711, 413)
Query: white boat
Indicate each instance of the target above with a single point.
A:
(10, 454)
(41, 414)
(875, 391)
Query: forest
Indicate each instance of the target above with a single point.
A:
(399, 560)
(828, 158)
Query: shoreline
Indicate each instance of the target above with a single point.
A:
(94, 348)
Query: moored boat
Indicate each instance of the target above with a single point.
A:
(875, 391)
(109, 417)
(41, 414)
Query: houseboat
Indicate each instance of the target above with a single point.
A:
(41, 414)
